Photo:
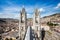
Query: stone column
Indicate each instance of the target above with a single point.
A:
(36, 23)
(23, 23)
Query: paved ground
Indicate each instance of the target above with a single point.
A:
(29, 34)
(27, 37)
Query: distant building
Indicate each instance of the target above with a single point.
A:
(56, 22)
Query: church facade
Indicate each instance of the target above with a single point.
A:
(35, 26)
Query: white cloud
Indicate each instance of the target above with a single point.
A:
(12, 9)
(41, 10)
(10, 12)
(9, 15)
(58, 6)
(13, 12)
(29, 9)
(29, 15)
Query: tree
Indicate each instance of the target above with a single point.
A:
(6, 39)
(50, 25)
(10, 38)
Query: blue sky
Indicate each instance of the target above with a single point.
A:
(11, 8)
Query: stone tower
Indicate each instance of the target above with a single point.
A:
(36, 23)
(23, 23)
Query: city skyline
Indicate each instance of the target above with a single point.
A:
(11, 8)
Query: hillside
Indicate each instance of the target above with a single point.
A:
(7, 24)
(10, 23)
(53, 17)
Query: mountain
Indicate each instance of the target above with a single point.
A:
(54, 17)
(10, 23)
